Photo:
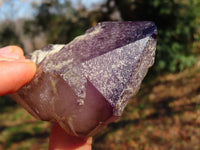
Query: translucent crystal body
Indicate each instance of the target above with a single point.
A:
(86, 84)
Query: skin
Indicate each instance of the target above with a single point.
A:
(16, 71)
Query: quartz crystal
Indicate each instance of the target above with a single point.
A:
(86, 84)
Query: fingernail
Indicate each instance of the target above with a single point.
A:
(23, 60)
(7, 49)
(10, 55)
(15, 60)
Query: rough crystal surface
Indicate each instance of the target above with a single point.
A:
(86, 84)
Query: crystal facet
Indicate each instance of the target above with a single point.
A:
(86, 84)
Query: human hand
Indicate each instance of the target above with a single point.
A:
(16, 71)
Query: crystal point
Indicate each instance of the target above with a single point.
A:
(86, 84)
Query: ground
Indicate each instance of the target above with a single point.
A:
(164, 115)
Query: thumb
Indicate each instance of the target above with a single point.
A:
(15, 70)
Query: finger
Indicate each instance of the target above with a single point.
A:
(14, 74)
(12, 50)
(59, 139)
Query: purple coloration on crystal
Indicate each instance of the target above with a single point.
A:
(86, 84)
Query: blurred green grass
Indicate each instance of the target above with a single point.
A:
(19, 130)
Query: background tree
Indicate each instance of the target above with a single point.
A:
(8, 35)
(60, 21)
(177, 22)
(178, 26)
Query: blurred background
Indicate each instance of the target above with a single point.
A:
(165, 114)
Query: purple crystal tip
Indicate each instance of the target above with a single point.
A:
(87, 83)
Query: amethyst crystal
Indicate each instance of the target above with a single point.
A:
(86, 84)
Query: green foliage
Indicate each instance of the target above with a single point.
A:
(178, 27)
(37, 129)
(177, 22)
